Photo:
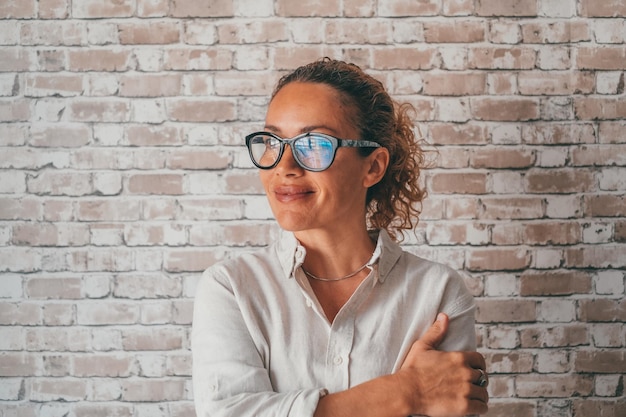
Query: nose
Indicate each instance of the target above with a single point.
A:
(287, 164)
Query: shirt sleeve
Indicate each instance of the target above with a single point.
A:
(458, 304)
(229, 376)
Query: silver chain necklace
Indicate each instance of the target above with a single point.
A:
(336, 279)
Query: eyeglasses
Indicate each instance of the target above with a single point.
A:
(312, 151)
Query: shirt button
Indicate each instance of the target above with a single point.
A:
(338, 360)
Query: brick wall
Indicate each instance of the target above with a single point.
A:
(123, 175)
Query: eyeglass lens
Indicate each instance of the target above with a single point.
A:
(311, 151)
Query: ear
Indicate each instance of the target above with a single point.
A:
(377, 163)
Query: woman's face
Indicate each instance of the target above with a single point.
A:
(303, 200)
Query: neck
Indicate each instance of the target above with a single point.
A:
(336, 255)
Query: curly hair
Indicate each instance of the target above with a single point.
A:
(395, 202)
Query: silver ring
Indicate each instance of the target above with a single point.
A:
(482, 381)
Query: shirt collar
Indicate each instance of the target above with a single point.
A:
(291, 253)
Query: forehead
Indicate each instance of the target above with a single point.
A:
(298, 105)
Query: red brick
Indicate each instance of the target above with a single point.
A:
(96, 9)
(602, 58)
(553, 386)
(558, 133)
(153, 339)
(190, 260)
(451, 158)
(454, 32)
(472, 234)
(517, 407)
(509, 362)
(552, 233)
(598, 155)
(112, 365)
(250, 32)
(210, 208)
(461, 183)
(307, 8)
(80, 60)
(114, 313)
(454, 84)
(556, 83)
(612, 132)
(511, 208)
(289, 58)
(23, 9)
(242, 183)
(560, 336)
(186, 110)
(501, 158)
(237, 235)
(19, 364)
(502, 58)
(609, 8)
(64, 288)
(60, 183)
(500, 259)
(197, 59)
(59, 136)
(184, 159)
(457, 134)
(58, 390)
(149, 135)
(554, 283)
(15, 110)
(16, 59)
(507, 234)
(555, 32)
(168, 184)
(504, 109)
(153, 390)
(358, 32)
(140, 286)
(53, 9)
(53, 33)
(506, 8)
(559, 181)
(150, 85)
(99, 110)
(593, 108)
(404, 58)
(505, 311)
(413, 8)
(605, 205)
(596, 257)
(598, 407)
(108, 210)
(603, 361)
(241, 84)
(64, 339)
(602, 310)
(46, 234)
(153, 33)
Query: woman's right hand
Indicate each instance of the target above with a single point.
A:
(437, 383)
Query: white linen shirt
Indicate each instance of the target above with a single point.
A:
(262, 345)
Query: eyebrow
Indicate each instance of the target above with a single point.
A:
(305, 129)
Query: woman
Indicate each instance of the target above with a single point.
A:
(335, 319)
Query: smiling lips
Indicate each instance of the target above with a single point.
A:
(285, 194)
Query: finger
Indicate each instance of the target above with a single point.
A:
(435, 334)
(479, 394)
(480, 378)
(475, 360)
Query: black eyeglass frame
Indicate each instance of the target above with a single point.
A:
(336, 144)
